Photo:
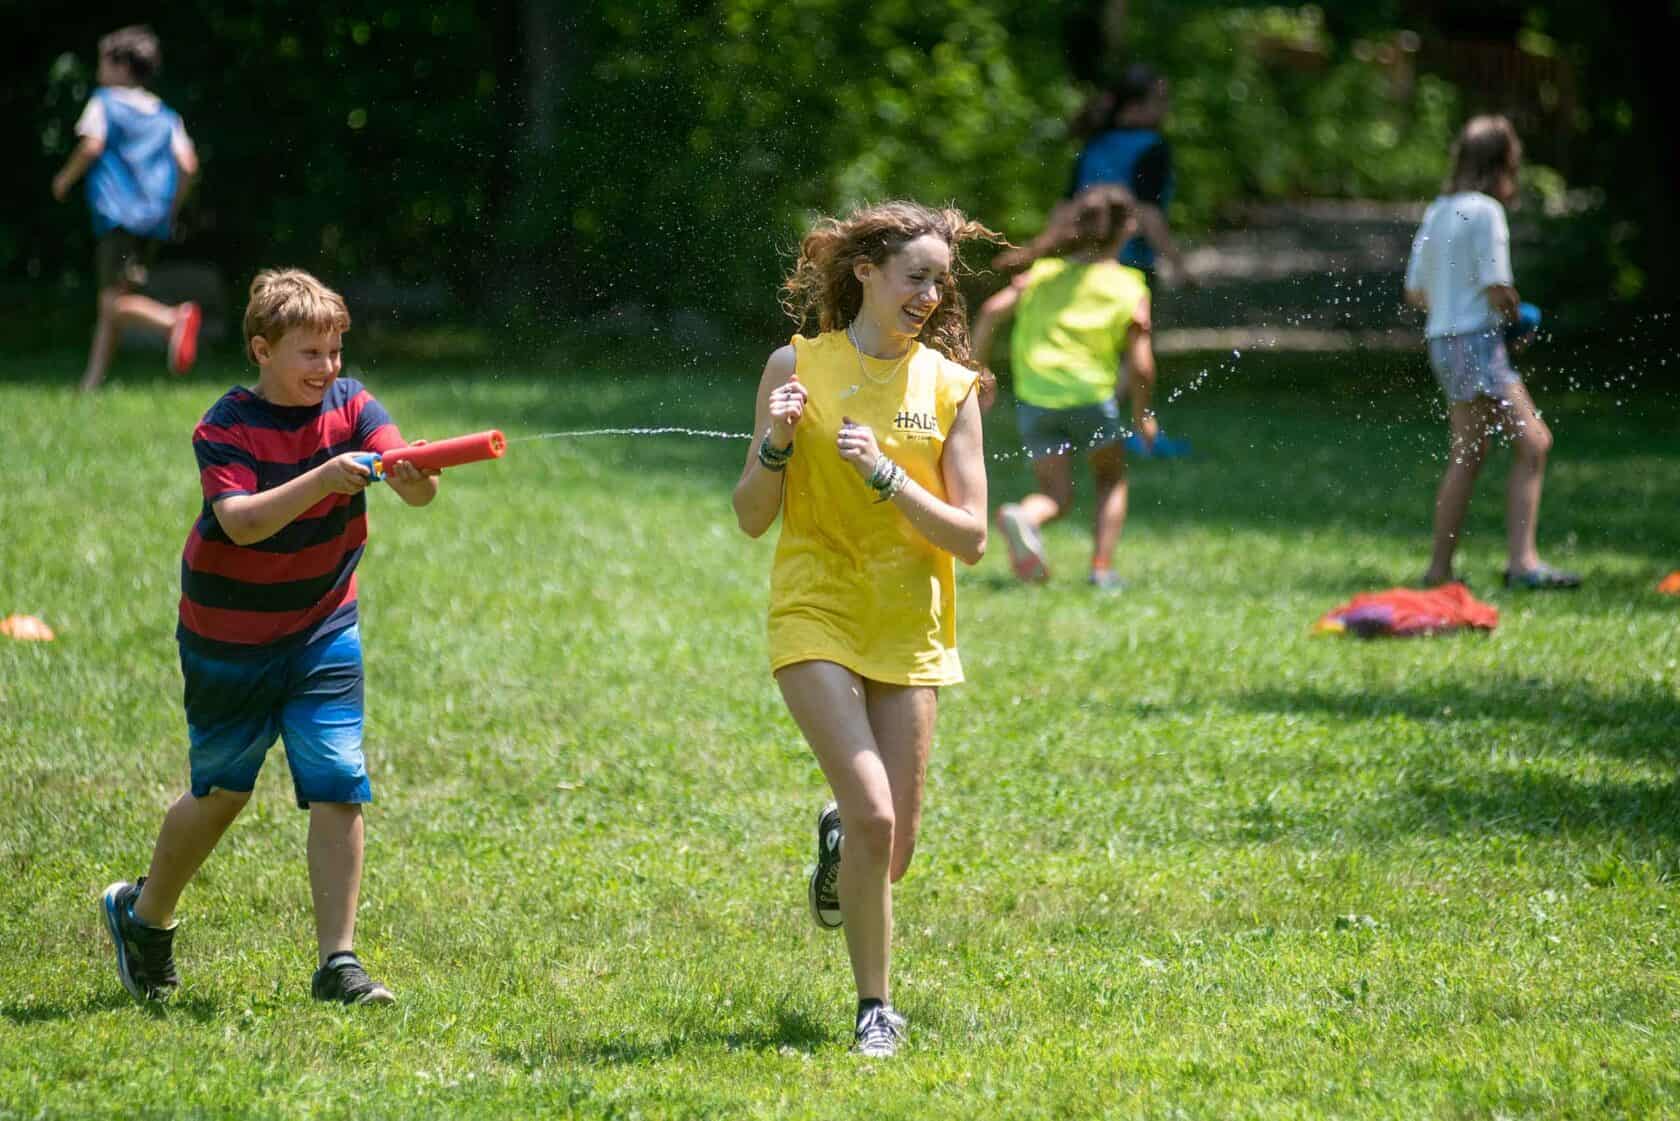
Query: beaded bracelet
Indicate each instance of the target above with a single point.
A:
(895, 484)
(773, 458)
(887, 479)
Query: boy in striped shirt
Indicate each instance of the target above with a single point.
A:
(268, 636)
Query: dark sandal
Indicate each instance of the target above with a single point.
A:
(1542, 578)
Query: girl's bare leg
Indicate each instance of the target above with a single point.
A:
(1108, 468)
(1469, 422)
(827, 702)
(1531, 441)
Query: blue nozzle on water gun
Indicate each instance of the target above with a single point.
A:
(375, 467)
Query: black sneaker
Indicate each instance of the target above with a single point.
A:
(824, 891)
(880, 1031)
(145, 954)
(343, 979)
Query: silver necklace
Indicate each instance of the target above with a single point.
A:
(857, 350)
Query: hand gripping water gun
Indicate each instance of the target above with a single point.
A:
(438, 455)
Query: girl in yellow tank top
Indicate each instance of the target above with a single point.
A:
(869, 448)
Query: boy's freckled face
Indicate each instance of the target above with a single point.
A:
(299, 367)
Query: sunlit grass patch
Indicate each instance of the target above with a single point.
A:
(1180, 858)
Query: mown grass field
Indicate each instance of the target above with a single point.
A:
(1180, 859)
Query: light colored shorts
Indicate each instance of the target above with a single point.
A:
(1084, 428)
(1472, 365)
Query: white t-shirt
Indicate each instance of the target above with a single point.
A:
(1462, 248)
(93, 125)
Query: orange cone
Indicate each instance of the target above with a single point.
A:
(26, 628)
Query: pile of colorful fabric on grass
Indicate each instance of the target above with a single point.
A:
(1407, 612)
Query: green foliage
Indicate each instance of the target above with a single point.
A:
(731, 142)
(694, 142)
(353, 140)
(1179, 858)
(1267, 105)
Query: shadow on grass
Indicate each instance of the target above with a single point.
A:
(1535, 804)
(1642, 724)
(25, 1012)
(790, 1030)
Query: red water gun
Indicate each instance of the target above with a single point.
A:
(436, 456)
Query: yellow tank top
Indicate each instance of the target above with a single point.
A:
(1071, 322)
(853, 582)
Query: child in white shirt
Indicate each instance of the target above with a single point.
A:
(1460, 271)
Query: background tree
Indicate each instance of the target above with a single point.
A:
(544, 161)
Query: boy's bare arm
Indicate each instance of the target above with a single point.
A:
(87, 151)
(249, 518)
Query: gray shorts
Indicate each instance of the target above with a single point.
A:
(1472, 365)
(1084, 428)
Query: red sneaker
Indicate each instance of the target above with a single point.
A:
(183, 338)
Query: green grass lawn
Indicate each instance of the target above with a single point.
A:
(1180, 859)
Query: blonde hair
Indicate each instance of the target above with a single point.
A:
(1486, 151)
(824, 286)
(1096, 218)
(282, 299)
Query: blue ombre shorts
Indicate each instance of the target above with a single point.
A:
(310, 695)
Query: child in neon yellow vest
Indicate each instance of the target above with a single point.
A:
(1078, 314)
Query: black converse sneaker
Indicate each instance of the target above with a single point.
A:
(343, 979)
(824, 891)
(145, 954)
(880, 1031)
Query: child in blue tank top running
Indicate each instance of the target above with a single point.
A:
(139, 163)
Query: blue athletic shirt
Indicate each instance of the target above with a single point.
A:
(132, 184)
(1137, 159)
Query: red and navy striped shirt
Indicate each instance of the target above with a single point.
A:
(299, 584)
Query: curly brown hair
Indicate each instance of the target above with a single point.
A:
(1095, 218)
(824, 287)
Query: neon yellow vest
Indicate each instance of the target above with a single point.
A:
(1070, 325)
(852, 582)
